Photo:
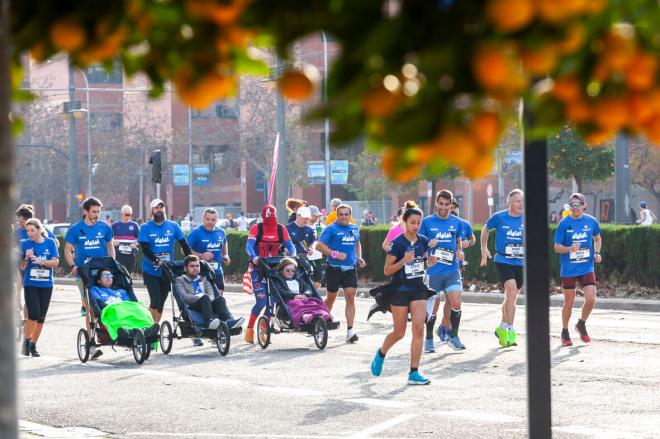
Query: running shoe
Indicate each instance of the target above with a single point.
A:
(429, 345)
(443, 334)
(377, 364)
(566, 338)
(25, 348)
(351, 338)
(213, 323)
(33, 350)
(581, 327)
(512, 337)
(83, 311)
(503, 336)
(416, 379)
(95, 353)
(456, 343)
(197, 342)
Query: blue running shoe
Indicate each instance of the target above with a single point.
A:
(416, 379)
(456, 343)
(442, 333)
(377, 364)
(429, 345)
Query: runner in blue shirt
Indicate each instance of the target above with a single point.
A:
(578, 242)
(40, 256)
(156, 238)
(125, 242)
(301, 234)
(509, 257)
(209, 242)
(444, 232)
(406, 263)
(340, 242)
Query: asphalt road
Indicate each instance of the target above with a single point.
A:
(607, 389)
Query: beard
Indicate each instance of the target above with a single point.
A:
(159, 217)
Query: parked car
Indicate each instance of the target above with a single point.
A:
(58, 228)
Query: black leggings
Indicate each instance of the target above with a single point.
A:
(37, 300)
(158, 288)
(210, 309)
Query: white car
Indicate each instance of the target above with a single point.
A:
(58, 228)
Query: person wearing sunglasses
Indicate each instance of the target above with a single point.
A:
(125, 241)
(578, 242)
(298, 296)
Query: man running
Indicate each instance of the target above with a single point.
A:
(301, 234)
(578, 242)
(646, 217)
(88, 238)
(209, 243)
(316, 258)
(332, 215)
(509, 257)
(340, 242)
(444, 232)
(157, 238)
(125, 242)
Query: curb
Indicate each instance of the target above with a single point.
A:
(557, 301)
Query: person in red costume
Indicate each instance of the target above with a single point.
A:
(265, 239)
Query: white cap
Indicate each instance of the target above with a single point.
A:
(156, 202)
(304, 212)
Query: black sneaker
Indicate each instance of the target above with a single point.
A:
(33, 350)
(152, 331)
(95, 353)
(25, 348)
(197, 342)
(581, 327)
(352, 338)
(566, 338)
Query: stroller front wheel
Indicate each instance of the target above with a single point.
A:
(320, 332)
(83, 345)
(166, 337)
(223, 339)
(263, 332)
(139, 346)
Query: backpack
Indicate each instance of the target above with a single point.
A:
(270, 248)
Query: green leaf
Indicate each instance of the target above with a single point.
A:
(246, 65)
(17, 126)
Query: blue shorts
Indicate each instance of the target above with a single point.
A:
(448, 282)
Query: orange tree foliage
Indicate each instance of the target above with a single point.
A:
(430, 82)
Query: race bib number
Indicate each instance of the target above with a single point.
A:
(125, 249)
(444, 256)
(40, 274)
(514, 251)
(163, 257)
(214, 265)
(415, 268)
(87, 260)
(581, 255)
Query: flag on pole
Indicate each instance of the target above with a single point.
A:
(273, 172)
(247, 281)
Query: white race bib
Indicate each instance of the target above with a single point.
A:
(40, 274)
(581, 255)
(125, 249)
(213, 264)
(514, 251)
(414, 269)
(315, 256)
(444, 256)
(163, 257)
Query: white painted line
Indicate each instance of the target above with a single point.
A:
(63, 432)
(367, 432)
(379, 402)
(290, 391)
(260, 435)
(475, 415)
(599, 433)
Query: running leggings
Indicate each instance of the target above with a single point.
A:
(259, 288)
(37, 300)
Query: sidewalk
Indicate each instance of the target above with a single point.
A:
(468, 297)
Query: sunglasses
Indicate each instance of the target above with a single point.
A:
(289, 270)
(106, 276)
(577, 204)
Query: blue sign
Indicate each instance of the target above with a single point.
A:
(338, 171)
(315, 172)
(180, 175)
(201, 175)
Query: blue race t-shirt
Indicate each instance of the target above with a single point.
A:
(415, 270)
(22, 236)
(127, 234)
(89, 241)
(466, 234)
(343, 239)
(108, 295)
(37, 275)
(202, 241)
(445, 231)
(299, 235)
(509, 233)
(581, 231)
(161, 239)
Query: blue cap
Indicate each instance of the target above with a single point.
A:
(642, 204)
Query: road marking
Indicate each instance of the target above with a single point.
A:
(474, 415)
(379, 402)
(599, 433)
(63, 432)
(367, 432)
(259, 435)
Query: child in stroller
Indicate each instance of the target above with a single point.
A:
(299, 297)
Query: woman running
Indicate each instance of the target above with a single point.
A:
(398, 228)
(405, 262)
(39, 258)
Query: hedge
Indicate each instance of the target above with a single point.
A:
(630, 254)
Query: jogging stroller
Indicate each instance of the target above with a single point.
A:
(189, 323)
(139, 342)
(278, 317)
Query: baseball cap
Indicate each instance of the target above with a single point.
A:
(156, 202)
(577, 195)
(642, 204)
(314, 210)
(304, 212)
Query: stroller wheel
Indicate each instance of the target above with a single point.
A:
(139, 346)
(320, 332)
(223, 339)
(166, 337)
(148, 352)
(263, 332)
(83, 345)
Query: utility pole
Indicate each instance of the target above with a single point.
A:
(282, 178)
(622, 181)
(190, 166)
(74, 187)
(326, 125)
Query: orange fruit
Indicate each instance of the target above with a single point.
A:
(407, 173)
(641, 71)
(456, 146)
(388, 159)
(654, 100)
(510, 15)
(594, 6)
(578, 111)
(298, 84)
(38, 51)
(640, 110)
(491, 67)
(380, 102)
(599, 138)
(110, 46)
(652, 131)
(540, 60)
(567, 88)
(610, 113)
(573, 40)
(67, 34)
(479, 167)
(620, 48)
(556, 11)
(485, 128)
(219, 12)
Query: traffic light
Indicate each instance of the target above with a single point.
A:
(154, 161)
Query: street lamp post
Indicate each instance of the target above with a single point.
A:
(282, 178)
(90, 191)
(190, 166)
(74, 179)
(326, 136)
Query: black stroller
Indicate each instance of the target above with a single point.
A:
(190, 323)
(277, 317)
(137, 341)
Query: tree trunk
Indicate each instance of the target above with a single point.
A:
(578, 183)
(8, 423)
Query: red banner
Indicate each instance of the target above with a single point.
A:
(273, 172)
